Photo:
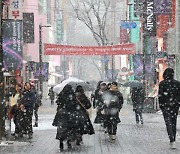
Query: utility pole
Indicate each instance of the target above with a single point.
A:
(2, 116)
(40, 58)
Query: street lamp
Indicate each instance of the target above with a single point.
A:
(40, 57)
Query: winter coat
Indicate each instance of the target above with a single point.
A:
(97, 100)
(28, 99)
(37, 101)
(71, 119)
(99, 105)
(113, 102)
(137, 99)
(169, 91)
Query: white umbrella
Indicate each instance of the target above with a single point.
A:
(74, 82)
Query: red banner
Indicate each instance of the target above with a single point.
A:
(122, 49)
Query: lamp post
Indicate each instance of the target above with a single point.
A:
(40, 57)
(2, 121)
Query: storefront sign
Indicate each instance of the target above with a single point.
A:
(149, 25)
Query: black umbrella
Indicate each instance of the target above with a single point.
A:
(133, 84)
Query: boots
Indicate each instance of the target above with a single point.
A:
(78, 140)
(35, 125)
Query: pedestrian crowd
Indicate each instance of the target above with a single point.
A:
(72, 118)
(21, 101)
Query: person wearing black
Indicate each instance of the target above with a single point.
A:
(94, 94)
(70, 119)
(85, 104)
(113, 102)
(169, 98)
(137, 96)
(51, 95)
(28, 99)
(98, 104)
(37, 103)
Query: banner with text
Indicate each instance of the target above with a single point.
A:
(122, 49)
(12, 44)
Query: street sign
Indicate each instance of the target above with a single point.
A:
(15, 9)
(128, 25)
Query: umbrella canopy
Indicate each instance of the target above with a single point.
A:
(74, 82)
(133, 84)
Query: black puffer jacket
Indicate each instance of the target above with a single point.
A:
(169, 91)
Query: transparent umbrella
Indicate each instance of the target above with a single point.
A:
(74, 82)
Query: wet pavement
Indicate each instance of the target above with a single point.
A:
(151, 137)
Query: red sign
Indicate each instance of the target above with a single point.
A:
(122, 49)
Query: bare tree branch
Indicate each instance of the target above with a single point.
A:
(86, 10)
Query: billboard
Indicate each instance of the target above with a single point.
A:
(12, 44)
(149, 67)
(43, 73)
(28, 27)
(34, 67)
(149, 26)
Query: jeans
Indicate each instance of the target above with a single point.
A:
(138, 116)
(36, 115)
(170, 118)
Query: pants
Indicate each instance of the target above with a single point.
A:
(170, 118)
(52, 101)
(28, 122)
(138, 116)
(36, 115)
(112, 128)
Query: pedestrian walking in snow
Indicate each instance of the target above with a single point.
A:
(51, 95)
(28, 99)
(37, 102)
(137, 96)
(169, 101)
(99, 119)
(70, 119)
(113, 102)
(85, 104)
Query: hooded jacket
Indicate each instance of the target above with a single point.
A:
(169, 91)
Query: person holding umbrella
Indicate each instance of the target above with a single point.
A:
(137, 96)
(71, 120)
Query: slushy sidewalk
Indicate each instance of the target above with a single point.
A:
(150, 138)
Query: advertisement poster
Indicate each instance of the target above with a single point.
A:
(12, 44)
(149, 64)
